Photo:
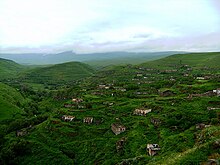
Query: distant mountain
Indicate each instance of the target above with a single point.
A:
(94, 58)
(9, 69)
(59, 73)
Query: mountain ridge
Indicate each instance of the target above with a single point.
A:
(42, 58)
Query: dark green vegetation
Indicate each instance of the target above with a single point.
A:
(178, 89)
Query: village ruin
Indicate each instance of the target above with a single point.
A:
(117, 128)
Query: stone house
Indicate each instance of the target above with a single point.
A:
(155, 121)
(21, 132)
(77, 100)
(68, 105)
(217, 91)
(120, 144)
(212, 162)
(68, 118)
(117, 128)
(166, 93)
(104, 86)
(88, 120)
(152, 149)
(139, 75)
(141, 112)
(206, 94)
(201, 126)
(213, 108)
(200, 78)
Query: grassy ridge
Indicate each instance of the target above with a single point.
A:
(59, 73)
(9, 69)
(10, 99)
(196, 60)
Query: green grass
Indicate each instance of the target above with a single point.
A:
(59, 73)
(196, 60)
(9, 69)
(10, 100)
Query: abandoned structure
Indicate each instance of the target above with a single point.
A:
(155, 121)
(217, 91)
(206, 94)
(152, 149)
(213, 108)
(77, 100)
(120, 144)
(68, 118)
(69, 105)
(88, 120)
(166, 93)
(117, 128)
(141, 112)
(212, 162)
(21, 132)
(201, 126)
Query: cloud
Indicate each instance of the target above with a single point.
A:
(110, 25)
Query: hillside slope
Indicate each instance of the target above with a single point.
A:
(9, 69)
(196, 60)
(10, 99)
(59, 73)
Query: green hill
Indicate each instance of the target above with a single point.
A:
(196, 60)
(10, 100)
(9, 69)
(59, 73)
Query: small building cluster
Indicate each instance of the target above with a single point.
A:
(141, 112)
(152, 149)
(117, 128)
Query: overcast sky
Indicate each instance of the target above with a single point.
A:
(86, 26)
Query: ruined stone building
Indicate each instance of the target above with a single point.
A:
(152, 149)
(88, 120)
(68, 118)
(117, 128)
(141, 112)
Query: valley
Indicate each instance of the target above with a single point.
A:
(74, 113)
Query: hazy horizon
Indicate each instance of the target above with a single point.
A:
(91, 26)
